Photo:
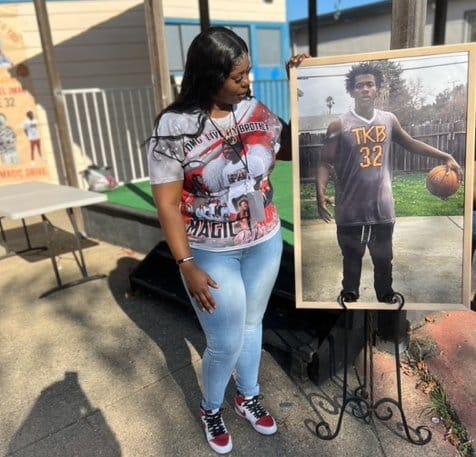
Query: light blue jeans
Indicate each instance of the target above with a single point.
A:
(234, 330)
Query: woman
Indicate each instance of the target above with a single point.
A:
(204, 148)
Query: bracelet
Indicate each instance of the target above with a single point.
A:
(185, 259)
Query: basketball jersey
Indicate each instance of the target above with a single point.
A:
(215, 179)
(363, 170)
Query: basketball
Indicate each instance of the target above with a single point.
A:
(442, 182)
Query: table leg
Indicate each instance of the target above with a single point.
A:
(10, 252)
(47, 226)
(28, 242)
(81, 262)
(77, 235)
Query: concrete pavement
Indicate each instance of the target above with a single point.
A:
(95, 371)
(422, 246)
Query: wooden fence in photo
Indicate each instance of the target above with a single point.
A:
(448, 137)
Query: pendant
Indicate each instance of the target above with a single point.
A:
(231, 139)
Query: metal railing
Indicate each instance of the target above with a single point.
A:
(110, 126)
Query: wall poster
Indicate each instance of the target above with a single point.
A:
(383, 144)
(21, 155)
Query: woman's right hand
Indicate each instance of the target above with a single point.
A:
(167, 198)
(198, 284)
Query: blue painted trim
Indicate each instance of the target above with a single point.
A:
(173, 21)
(271, 72)
(260, 72)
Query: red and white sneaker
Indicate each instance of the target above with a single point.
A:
(252, 410)
(215, 431)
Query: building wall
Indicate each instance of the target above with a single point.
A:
(230, 11)
(456, 27)
(103, 44)
(96, 44)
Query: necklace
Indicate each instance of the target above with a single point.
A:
(231, 135)
(226, 128)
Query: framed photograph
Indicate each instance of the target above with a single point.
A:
(383, 157)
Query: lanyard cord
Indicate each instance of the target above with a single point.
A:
(243, 159)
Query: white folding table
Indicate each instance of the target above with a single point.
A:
(29, 199)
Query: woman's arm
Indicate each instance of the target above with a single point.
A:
(285, 151)
(167, 200)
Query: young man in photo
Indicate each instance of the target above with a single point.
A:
(357, 152)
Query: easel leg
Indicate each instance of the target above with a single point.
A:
(360, 408)
(423, 434)
(363, 400)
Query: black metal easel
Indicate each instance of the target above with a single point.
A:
(362, 401)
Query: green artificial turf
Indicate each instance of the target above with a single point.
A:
(283, 197)
(410, 193)
(139, 196)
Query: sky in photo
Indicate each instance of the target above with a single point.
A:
(319, 82)
(298, 9)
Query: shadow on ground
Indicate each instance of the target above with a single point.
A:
(171, 325)
(290, 335)
(64, 402)
(63, 242)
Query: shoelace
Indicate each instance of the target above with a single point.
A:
(254, 406)
(215, 424)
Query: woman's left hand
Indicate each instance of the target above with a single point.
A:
(295, 61)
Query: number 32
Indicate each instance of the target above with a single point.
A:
(371, 157)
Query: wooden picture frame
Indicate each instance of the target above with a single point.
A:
(431, 93)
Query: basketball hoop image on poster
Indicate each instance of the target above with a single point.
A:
(383, 156)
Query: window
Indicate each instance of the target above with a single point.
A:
(189, 32)
(172, 36)
(470, 17)
(269, 47)
(244, 33)
(179, 37)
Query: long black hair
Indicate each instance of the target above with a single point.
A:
(211, 57)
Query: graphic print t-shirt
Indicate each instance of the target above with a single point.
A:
(217, 177)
